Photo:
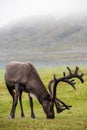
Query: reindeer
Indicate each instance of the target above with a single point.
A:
(21, 77)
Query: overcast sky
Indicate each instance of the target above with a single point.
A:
(13, 10)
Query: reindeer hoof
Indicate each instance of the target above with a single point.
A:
(23, 116)
(33, 117)
(12, 117)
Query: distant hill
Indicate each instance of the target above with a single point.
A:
(45, 42)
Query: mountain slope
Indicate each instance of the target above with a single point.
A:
(45, 42)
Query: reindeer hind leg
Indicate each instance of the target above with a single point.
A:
(21, 106)
(12, 93)
(15, 101)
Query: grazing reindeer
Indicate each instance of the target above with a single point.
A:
(21, 77)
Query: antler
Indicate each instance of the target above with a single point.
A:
(64, 79)
(67, 78)
(75, 74)
(59, 108)
(70, 76)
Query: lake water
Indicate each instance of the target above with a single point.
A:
(44, 58)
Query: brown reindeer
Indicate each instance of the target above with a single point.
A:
(21, 77)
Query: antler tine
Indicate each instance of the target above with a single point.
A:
(55, 78)
(71, 82)
(64, 74)
(57, 100)
(77, 69)
(81, 75)
(69, 70)
(81, 78)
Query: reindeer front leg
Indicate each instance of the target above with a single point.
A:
(31, 107)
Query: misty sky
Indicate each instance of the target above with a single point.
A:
(14, 10)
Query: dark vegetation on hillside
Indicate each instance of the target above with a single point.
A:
(45, 42)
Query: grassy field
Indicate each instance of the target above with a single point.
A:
(74, 119)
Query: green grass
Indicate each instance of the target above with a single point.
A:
(74, 119)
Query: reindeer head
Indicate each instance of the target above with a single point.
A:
(48, 105)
